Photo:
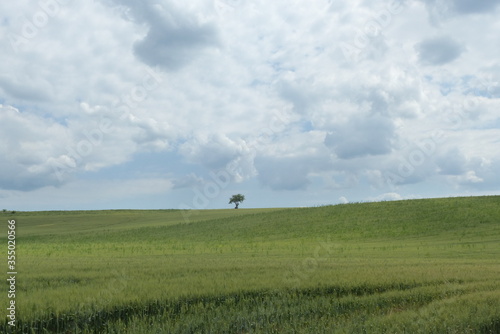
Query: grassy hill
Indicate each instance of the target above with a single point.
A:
(419, 266)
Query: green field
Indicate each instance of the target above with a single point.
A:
(416, 266)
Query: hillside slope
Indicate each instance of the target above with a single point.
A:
(366, 267)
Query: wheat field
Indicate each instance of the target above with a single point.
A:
(416, 266)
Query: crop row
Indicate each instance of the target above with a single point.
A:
(300, 310)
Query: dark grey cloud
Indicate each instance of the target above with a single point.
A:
(283, 173)
(361, 137)
(173, 44)
(174, 37)
(25, 89)
(407, 167)
(25, 179)
(452, 162)
(476, 6)
(438, 50)
(291, 172)
(378, 100)
(300, 99)
(443, 9)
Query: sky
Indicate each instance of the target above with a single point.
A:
(174, 104)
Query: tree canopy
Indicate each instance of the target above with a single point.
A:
(237, 199)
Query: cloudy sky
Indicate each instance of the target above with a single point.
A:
(180, 104)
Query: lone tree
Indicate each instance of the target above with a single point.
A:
(236, 199)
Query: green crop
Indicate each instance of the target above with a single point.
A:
(419, 266)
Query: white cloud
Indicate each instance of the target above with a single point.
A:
(343, 200)
(387, 197)
(470, 177)
(26, 144)
(263, 87)
(174, 36)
